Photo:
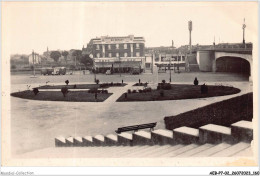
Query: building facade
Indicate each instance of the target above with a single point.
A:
(118, 54)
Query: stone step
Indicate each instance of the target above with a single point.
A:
(136, 152)
(242, 130)
(212, 150)
(162, 137)
(69, 142)
(186, 135)
(111, 140)
(166, 151)
(123, 150)
(214, 134)
(87, 141)
(78, 142)
(99, 140)
(142, 138)
(247, 153)
(232, 150)
(107, 151)
(154, 150)
(60, 142)
(125, 139)
(181, 150)
(195, 150)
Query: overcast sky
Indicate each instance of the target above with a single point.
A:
(66, 25)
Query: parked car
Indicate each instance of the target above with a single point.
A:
(46, 71)
(59, 71)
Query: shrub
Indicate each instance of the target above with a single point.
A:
(106, 91)
(75, 86)
(167, 86)
(159, 87)
(134, 91)
(125, 95)
(129, 91)
(64, 91)
(67, 82)
(111, 84)
(204, 89)
(163, 81)
(161, 93)
(93, 90)
(35, 91)
(149, 89)
(140, 91)
(97, 81)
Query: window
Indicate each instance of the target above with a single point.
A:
(125, 54)
(125, 46)
(183, 58)
(98, 55)
(137, 54)
(117, 54)
(117, 46)
(98, 47)
(109, 46)
(137, 45)
(110, 55)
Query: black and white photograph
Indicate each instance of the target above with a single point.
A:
(129, 83)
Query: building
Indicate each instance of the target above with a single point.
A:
(34, 58)
(118, 54)
(165, 58)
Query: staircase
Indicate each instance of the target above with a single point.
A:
(207, 141)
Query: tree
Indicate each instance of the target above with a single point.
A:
(55, 55)
(87, 61)
(77, 54)
(65, 55)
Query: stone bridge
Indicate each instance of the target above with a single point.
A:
(219, 60)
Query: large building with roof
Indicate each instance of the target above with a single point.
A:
(118, 54)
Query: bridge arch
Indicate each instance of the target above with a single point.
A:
(233, 62)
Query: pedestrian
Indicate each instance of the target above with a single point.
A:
(196, 82)
(122, 81)
(125, 95)
(139, 81)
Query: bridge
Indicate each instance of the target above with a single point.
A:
(237, 60)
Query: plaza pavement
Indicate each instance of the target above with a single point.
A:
(35, 124)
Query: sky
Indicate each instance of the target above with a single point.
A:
(28, 26)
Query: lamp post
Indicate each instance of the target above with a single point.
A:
(243, 27)
(119, 65)
(170, 69)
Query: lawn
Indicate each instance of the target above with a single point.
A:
(72, 96)
(178, 92)
(83, 86)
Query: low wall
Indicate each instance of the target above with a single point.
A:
(222, 113)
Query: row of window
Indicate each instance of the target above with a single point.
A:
(117, 46)
(133, 60)
(117, 55)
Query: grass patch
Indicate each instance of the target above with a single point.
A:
(83, 86)
(178, 92)
(221, 113)
(140, 84)
(72, 96)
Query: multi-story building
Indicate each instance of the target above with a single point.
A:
(118, 54)
(165, 57)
